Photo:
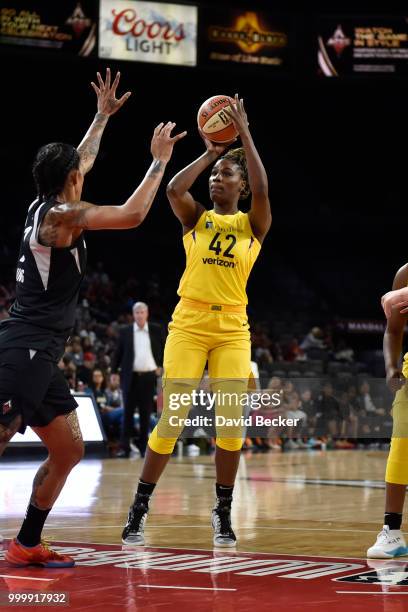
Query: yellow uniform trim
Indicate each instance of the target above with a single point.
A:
(205, 307)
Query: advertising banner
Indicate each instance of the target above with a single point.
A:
(244, 37)
(68, 26)
(365, 46)
(148, 32)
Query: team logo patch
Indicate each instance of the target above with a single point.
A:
(209, 225)
(6, 407)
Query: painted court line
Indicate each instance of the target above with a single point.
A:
(154, 586)
(27, 578)
(371, 593)
(254, 528)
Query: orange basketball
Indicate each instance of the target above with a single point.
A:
(214, 122)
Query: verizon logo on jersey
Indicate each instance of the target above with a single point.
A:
(218, 262)
(20, 275)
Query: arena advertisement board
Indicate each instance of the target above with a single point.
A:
(68, 26)
(362, 46)
(148, 32)
(89, 421)
(244, 37)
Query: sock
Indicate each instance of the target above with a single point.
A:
(30, 532)
(144, 492)
(393, 520)
(224, 495)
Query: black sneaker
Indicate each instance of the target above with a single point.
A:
(221, 522)
(134, 528)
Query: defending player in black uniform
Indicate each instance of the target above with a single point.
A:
(51, 265)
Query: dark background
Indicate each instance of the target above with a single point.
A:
(334, 150)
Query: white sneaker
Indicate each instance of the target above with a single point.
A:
(301, 444)
(291, 445)
(193, 450)
(390, 543)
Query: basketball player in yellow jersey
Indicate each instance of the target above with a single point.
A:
(210, 322)
(390, 541)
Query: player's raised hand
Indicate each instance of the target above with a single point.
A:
(214, 147)
(163, 142)
(237, 113)
(108, 104)
(398, 298)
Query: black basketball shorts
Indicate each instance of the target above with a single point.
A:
(32, 386)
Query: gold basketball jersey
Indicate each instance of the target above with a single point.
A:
(220, 253)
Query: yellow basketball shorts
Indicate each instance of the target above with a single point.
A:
(200, 332)
(397, 464)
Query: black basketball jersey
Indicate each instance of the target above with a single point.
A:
(48, 280)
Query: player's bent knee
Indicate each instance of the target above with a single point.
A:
(229, 444)
(68, 456)
(162, 446)
(397, 463)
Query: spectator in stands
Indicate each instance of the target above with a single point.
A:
(349, 422)
(371, 416)
(84, 372)
(308, 406)
(112, 416)
(75, 351)
(294, 433)
(314, 339)
(344, 352)
(328, 413)
(291, 351)
(67, 365)
(114, 393)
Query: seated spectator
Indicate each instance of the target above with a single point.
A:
(370, 416)
(112, 416)
(292, 351)
(314, 339)
(344, 353)
(308, 406)
(294, 433)
(349, 423)
(67, 365)
(75, 351)
(328, 413)
(84, 372)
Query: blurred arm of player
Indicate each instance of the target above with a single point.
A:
(396, 321)
(185, 207)
(260, 215)
(107, 105)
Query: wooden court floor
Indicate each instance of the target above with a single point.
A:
(326, 503)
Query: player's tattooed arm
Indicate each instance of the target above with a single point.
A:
(108, 105)
(65, 220)
(89, 147)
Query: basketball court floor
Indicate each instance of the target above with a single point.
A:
(303, 520)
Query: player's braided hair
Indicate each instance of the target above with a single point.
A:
(238, 157)
(51, 167)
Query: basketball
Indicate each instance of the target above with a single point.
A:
(214, 121)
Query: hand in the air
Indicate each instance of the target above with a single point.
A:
(108, 104)
(163, 142)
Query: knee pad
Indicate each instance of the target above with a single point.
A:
(162, 446)
(229, 444)
(397, 463)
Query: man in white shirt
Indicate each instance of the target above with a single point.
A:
(140, 358)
